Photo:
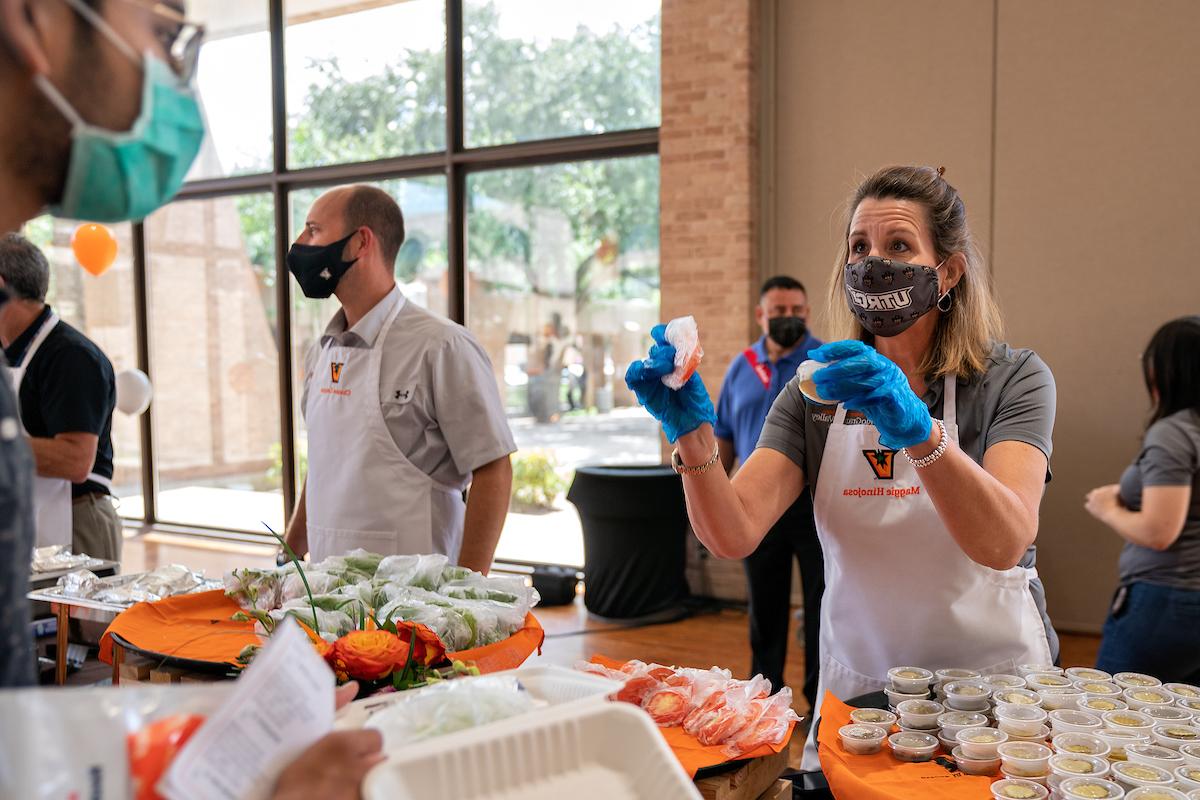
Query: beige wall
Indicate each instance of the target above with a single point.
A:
(1071, 130)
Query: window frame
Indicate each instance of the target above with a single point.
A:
(454, 164)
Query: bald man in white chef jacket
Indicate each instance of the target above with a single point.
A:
(402, 408)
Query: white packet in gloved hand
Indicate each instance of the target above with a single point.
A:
(684, 336)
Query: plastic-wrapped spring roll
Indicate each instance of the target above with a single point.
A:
(422, 571)
(684, 335)
(450, 626)
(254, 588)
(319, 582)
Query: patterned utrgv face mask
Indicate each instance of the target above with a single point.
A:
(886, 296)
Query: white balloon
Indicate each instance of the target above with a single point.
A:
(134, 392)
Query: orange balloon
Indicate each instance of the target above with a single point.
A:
(95, 247)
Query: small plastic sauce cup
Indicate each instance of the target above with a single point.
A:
(981, 743)
(975, 766)
(1017, 789)
(1025, 759)
(861, 740)
(1020, 720)
(911, 746)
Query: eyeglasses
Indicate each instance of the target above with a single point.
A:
(182, 44)
(180, 41)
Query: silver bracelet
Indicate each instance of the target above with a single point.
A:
(938, 452)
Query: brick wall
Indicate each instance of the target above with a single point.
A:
(709, 197)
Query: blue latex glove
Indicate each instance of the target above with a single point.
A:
(871, 383)
(680, 411)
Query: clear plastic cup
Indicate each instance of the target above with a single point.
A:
(895, 698)
(1135, 680)
(1101, 705)
(1183, 691)
(1018, 789)
(1175, 735)
(1025, 759)
(1156, 793)
(1190, 706)
(1002, 680)
(1194, 794)
(1066, 720)
(967, 695)
(1047, 680)
(1090, 789)
(861, 740)
(1025, 670)
(952, 722)
(920, 715)
(1099, 688)
(1118, 739)
(1060, 697)
(1154, 755)
(1088, 674)
(981, 743)
(1042, 734)
(975, 766)
(911, 746)
(1020, 720)
(1187, 776)
(873, 716)
(1152, 697)
(1128, 721)
(1040, 780)
(1134, 776)
(948, 743)
(952, 674)
(1080, 744)
(1173, 714)
(1064, 766)
(910, 680)
(1018, 697)
(1191, 754)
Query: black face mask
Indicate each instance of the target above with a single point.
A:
(886, 296)
(318, 268)
(786, 331)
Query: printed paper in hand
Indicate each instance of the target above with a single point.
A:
(282, 704)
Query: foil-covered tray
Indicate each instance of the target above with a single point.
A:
(82, 587)
(57, 557)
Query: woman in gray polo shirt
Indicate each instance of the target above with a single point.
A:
(927, 460)
(1154, 624)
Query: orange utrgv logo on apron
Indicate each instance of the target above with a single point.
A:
(335, 370)
(882, 462)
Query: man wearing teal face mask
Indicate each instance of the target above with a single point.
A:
(100, 124)
(113, 122)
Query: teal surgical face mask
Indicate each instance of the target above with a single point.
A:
(112, 176)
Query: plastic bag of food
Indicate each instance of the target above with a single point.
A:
(333, 617)
(769, 721)
(356, 565)
(448, 707)
(717, 708)
(684, 336)
(318, 581)
(506, 589)
(641, 679)
(449, 625)
(735, 713)
(424, 572)
(254, 588)
(97, 742)
(668, 705)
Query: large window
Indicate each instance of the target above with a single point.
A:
(520, 139)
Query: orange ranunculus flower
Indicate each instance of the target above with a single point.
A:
(369, 655)
(427, 647)
(324, 648)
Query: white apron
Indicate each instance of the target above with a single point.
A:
(362, 491)
(883, 549)
(51, 496)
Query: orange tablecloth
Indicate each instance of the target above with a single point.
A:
(693, 755)
(198, 627)
(882, 777)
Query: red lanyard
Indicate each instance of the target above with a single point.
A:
(763, 371)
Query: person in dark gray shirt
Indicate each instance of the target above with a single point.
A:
(1154, 623)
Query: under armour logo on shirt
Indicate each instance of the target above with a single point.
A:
(402, 394)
